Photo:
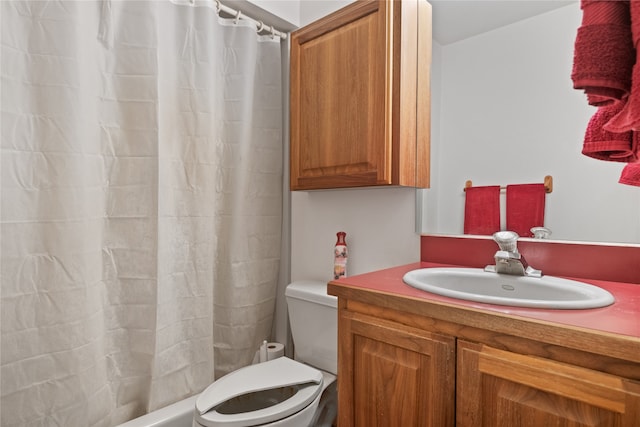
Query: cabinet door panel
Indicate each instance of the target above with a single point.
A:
(342, 97)
(388, 384)
(397, 376)
(502, 389)
(339, 102)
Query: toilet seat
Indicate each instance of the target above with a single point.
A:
(275, 374)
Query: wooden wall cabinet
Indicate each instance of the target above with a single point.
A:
(360, 97)
(400, 368)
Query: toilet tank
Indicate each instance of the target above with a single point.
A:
(313, 316)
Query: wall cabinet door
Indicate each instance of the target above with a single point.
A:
(393, 375)
(497, 388)
(360, 97)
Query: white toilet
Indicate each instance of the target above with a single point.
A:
(284, 392)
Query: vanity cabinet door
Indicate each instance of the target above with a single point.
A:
(497, 388)
(360, 97)
(393, 375)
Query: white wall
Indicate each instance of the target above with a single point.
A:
(311, 10)
(298, 13)
(380, 227)
(430, 221)
(284, 9)
(508, 114)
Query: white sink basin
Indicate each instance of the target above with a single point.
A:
(475, 284)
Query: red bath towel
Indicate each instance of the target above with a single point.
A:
(629, 118)
(525, 208)
(603, 145)
(631, 175)
(603, 51)
(482, 210)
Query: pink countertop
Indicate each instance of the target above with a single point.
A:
(621, 318)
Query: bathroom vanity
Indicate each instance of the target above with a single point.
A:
(409, 357)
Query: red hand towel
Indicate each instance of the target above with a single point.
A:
(602, 145)
(629, 118)
(631, 175)
(603, 51)
(482, 210)
(525, 208)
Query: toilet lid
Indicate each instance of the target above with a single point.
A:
(275, 376)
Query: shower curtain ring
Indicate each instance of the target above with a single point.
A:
(260, 26)
(218, 6)
(273, 32)
(237, 17)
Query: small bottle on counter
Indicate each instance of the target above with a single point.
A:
(340, 256)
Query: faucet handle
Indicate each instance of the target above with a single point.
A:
(540, 232)
(507, 240)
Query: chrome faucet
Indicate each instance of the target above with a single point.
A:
(508, 259)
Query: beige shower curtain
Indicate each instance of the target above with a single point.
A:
(141, 204)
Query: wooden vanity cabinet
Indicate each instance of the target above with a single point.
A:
(404, 364)
(360, 97)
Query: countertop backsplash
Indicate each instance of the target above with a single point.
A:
(600, 261)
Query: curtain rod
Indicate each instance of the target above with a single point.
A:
(261, 27)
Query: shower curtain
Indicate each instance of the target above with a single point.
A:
(141, 205)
